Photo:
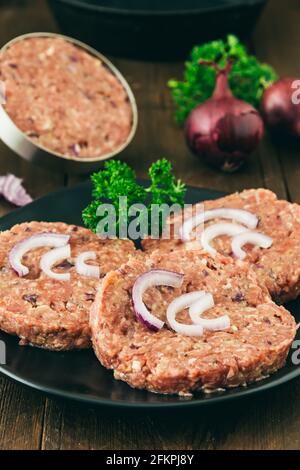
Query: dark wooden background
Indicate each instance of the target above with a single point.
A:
(28, 419)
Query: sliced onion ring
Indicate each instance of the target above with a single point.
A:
(52, 257)
(35, 241)
(87, 269)
(217, 230)
(239, 215)
(205, 303)
(255, 238)
(155, 277)
(180, 303)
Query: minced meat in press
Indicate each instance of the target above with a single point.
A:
(64, 98)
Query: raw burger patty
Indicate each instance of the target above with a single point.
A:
(255, 345)
(64, 98)
(46, 312)
(279, 266)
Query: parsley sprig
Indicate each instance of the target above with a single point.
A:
(118, 179)
(248, 77)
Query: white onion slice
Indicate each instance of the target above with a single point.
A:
(217, 230)
(205, 303)
(155, 277)
(239, 215)
(87, 269)
(52, 257)
(180, 303)
(35, 241)
(255, 238)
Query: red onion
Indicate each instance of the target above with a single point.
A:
(216, 230)
(197, 301)
(255, 238)
(223, 130)
(50, 258)
(155, 277)
(280, 106)
(180, 303)
(35, 241)
(12, 190)
(239, 215)
(87, 269)
(214, 324)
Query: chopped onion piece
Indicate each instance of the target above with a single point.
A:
(180, 303)
(238, 215)
(255, 238)
(52, 257)
(155, 277)
(217, 230)
(12, 190)
(205, 303)
(87, 269)
(35, 241)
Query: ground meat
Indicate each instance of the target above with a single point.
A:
(255, 345)
(63, 98)
(277, 267)
(46, 312)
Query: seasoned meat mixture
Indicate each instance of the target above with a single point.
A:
(255, 345)
(46, 312)
(64, 98)
(278, 267)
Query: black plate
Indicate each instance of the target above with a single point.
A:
(126, 27)
(79, 375)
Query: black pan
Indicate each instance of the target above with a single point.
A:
(154, 29)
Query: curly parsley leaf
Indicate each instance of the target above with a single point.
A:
(164, 188)
(248, 77)
(117, 179)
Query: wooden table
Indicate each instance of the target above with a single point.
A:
(28, 419)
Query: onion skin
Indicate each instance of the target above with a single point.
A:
(278, 110)
(223, 130)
